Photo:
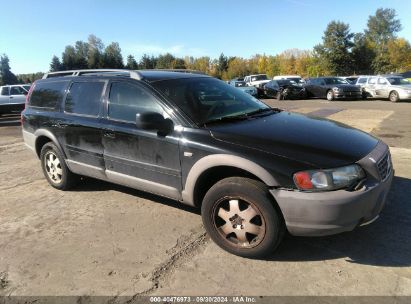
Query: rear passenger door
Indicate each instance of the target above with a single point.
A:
(82, 127)
(139, 158)
(372, 82)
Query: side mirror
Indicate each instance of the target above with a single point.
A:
(154, 121)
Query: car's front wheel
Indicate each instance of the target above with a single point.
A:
(330, 95)
(240, 216)
(394, 97)
(55, 169)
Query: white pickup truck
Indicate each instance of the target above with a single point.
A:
(258, 81)
(13, 98)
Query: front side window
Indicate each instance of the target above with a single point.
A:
(126, 100)
(362, 80)
(84, 98)
(207, 99)
(372, 80)
(17, 91)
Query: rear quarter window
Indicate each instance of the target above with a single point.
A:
(47, 94)
(84, 98)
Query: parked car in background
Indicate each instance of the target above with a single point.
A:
(350, 79)
(407, 75)
(332, 88)
(258, 81)
(395, 88)
(284, 89)
(296, 78)
(243, 87)
(13, 98)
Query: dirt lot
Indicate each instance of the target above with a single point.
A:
(103, 239)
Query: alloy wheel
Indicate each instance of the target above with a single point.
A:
(239, 222)
(53, 167)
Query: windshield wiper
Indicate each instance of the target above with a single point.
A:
(225, 118)
(263, 110)
(242, 116)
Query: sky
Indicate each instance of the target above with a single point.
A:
(32, 32)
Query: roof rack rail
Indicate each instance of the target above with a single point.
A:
(176, 70)
(131, 73)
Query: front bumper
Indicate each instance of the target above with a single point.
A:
(326, 213)
(404, 95)
(348, 95)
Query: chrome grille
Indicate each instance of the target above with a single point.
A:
(384, 166)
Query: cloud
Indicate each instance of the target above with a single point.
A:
(153, 49)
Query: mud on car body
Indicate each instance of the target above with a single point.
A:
(254, 171)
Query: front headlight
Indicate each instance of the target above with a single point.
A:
(335, 89)
(328, 179)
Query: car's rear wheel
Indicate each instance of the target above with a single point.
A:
(55, 169)
(241, 218)
(394, 97)
(330, 95)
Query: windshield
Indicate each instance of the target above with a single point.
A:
(259, 77)
(297, 80)
(240, 84)
(208, 99)
(397, 81)
(285, 82)
(335, 81)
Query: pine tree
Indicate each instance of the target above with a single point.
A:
(6, 76)
(55, 64)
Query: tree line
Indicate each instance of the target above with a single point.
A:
(376, 50)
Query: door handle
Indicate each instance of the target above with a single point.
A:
(11, 97)
(109, 134)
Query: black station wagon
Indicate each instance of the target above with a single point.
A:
(255, 171)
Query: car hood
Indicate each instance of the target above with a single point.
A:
(315, 141)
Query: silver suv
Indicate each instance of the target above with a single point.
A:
(394, 88)
(13, 97)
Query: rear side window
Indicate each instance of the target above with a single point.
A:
(126, 100)
(84, 98)
(4, 91)
(47, 94)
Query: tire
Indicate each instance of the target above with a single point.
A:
(240, 217)
(330, 95)
(394, 97)
(364, 95)
(55, 169)
(279, 95)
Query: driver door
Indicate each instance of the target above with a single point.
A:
(139, 158)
